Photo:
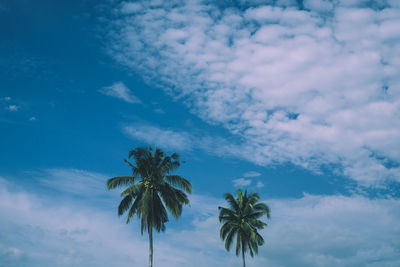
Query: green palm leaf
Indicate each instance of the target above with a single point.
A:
(120, 181)
(180, 182)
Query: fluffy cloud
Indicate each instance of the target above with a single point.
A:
(12, 108)
(119, 90)
(260, 184)
(314, 231)
(40, 230)
(315, 87)
(332, 231)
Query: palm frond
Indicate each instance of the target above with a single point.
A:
(231, 201)
(226, 214)
(158, 156)
(253, 198)
(132, 190)
(160, 216)
(259, 239)
(238, 242)
(173, 198)
(225, 229)
(255, 215)
(180, 182)
(125, 204)
(129, 163)
(241, 199)
(120, 181)
(135, 208)
(253, 248)
(229, 239)
(263, 207)
(256, 224)
(172, 203)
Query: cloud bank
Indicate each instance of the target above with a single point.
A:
(317, 86)
(311, 231)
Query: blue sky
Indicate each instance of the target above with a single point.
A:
(296, 100)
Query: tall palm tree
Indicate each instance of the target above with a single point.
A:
(150, 189)
(241, 219)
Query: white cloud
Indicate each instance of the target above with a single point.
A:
(319, 5)
(260, 184)
(314, 231)
(312, 87)
(241, 182)
(251, 174)
(74, 181)
(184, 141)
(9, 256)
(159, 110)
(42, 229)
(128, 8)
(47, 231)
(12, 108)
(39, 230)
(162, 137)
(32, 118)
(119, 90)
(332, 231)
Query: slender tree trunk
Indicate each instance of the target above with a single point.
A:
(150, 246)
(244, 262)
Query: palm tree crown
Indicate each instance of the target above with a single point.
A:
(241, 220)
(151, 190)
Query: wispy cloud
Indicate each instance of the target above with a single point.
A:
(159, 110)
(241, 182)
(74, 181)
(119, 90)
(252, 174)
(185, 141)
(314, 87)
(162, 137)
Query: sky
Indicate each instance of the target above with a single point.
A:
(297, 100)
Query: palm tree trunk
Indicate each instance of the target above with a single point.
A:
(244, 262)
(150, 246)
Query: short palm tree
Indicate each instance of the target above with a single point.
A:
(241, 220)
(151, 189)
